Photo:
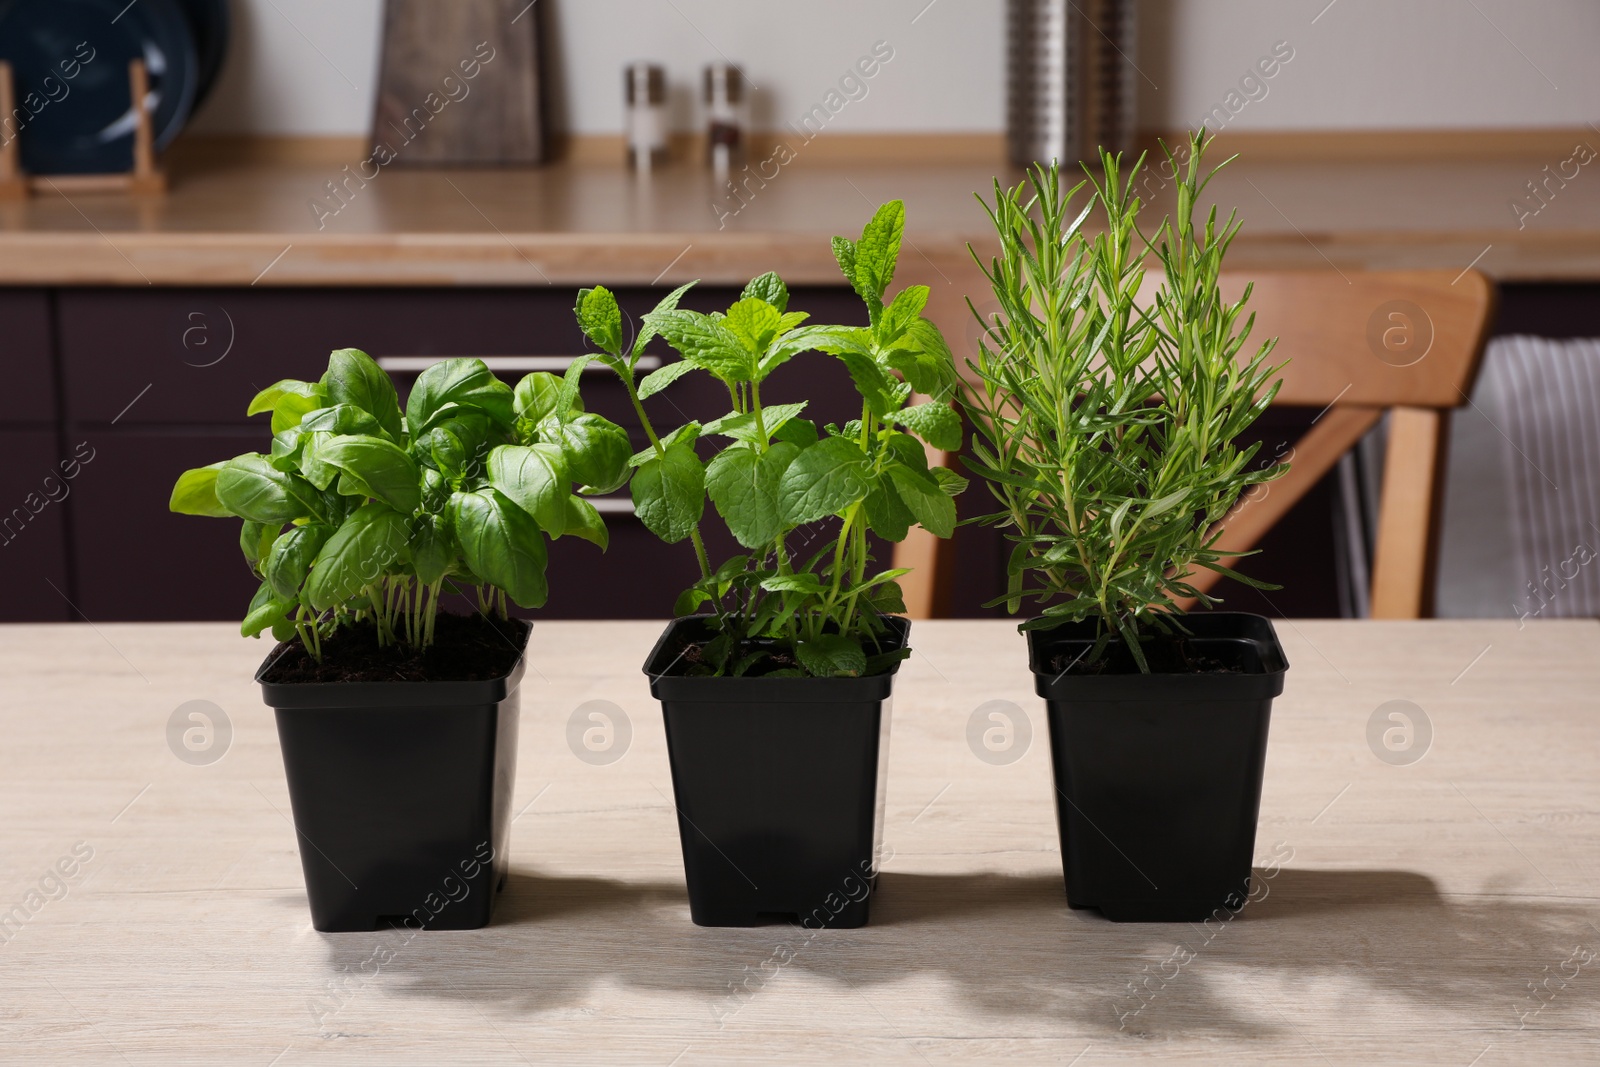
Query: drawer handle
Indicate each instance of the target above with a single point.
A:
(611, 505)
(524, 364)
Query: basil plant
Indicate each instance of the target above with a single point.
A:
(363, 513)
(805, 598)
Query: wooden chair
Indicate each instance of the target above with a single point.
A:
(1359, 345)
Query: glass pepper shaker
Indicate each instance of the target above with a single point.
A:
(725, 116)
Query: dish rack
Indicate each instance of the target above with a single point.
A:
(145, 177)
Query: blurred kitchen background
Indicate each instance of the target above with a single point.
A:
(1435, 134)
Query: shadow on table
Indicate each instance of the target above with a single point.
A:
(1010, 947)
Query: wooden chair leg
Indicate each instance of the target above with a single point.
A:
(1408, 519)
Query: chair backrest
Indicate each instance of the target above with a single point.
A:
(1359, 344)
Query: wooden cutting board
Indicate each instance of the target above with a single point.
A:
(461, 82)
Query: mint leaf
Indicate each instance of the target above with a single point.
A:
(824, 480)
(707, 343)
(669, 493)
(879, 250)
(744, 487)
(768, 287)
(662, 377)
(924, 497)
(936, 423)
(600, 318)
(832, 656)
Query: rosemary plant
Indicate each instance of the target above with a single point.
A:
(1105, 424)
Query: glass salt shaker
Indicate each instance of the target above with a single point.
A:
(645, 94)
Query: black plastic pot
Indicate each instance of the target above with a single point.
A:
(1158, 776)
(779, 785)
(402, 796)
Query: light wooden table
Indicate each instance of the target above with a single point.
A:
(1416, 910)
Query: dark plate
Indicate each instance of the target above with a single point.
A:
(211, 24)
(70, 61)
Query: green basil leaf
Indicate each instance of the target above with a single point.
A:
(502, 544)
(832, 656)
(936, 423)
(372, 542)
(669, 493)
(583, 520)
(318, 472)
(597, 452)
(823, 480)
(250, 487)
(268, 398)
(256, 539)
(290, 559)
(343, 418)
(535, 478)
(467, 382)
(537, 396)
(355, 379)
(266, 610)
(433, 548)
(290, 409)
(196, 493)
(375, 467)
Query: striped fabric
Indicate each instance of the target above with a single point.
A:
(1543, 399)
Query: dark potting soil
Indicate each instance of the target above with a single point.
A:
(1165, 654)
(466, 648)
(691, 659)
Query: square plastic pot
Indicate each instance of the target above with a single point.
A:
(401, 794)
(1158, 776)
(779, 785)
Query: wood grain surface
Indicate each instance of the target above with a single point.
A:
(1434, 913)
(235, 221)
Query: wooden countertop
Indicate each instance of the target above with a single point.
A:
(244, 223)
(1418, 909)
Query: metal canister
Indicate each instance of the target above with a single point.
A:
(1072, 85)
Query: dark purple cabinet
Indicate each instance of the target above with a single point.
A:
(35, 490)
(29, 396)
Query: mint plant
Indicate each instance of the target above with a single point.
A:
(360, 512)
(1105, 426)
(772, 474)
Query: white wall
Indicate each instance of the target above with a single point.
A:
(309, 66)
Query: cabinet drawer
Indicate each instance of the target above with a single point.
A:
(196, 357)
(34, 491)
(30, 395)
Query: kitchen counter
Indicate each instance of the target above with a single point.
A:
(1437, 912)
(237, 222)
